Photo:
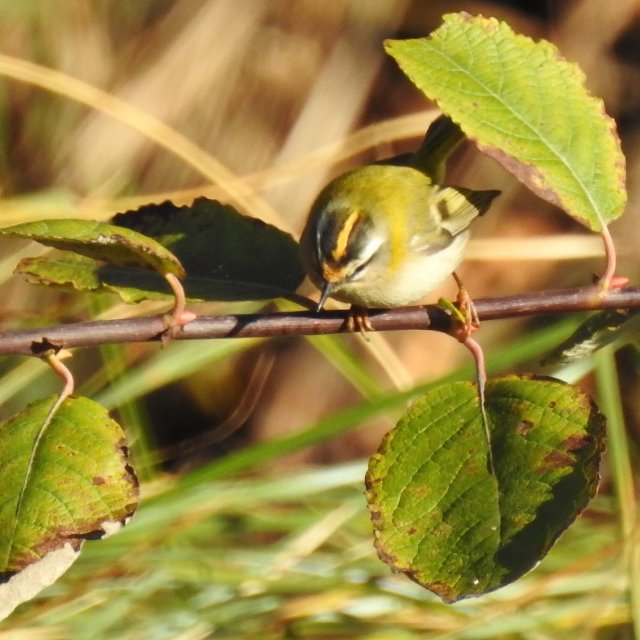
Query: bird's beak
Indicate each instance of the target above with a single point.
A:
(326, 292)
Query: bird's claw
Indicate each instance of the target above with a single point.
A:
(463, 311)
(358, 320)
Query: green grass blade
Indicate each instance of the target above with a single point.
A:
(622, 469)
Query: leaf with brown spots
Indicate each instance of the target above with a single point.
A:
(445, 520)
(71, 484)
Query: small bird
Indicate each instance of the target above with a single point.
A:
(386, 234)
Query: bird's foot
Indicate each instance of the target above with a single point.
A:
(358, 320)
(462, 310)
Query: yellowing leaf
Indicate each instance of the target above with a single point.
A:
(75, 485)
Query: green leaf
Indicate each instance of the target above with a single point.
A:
(227, 256)
(101, 241)
(80, 273)
(442, 518)
(75, 485)
(525, 106)
(596, 332)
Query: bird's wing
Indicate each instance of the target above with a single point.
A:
(458, 206)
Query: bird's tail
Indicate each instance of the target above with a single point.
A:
(442, 137)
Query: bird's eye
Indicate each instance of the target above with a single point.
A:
(358, 270)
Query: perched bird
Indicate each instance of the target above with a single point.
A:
(386, 234)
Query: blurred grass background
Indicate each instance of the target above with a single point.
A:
(252, 453)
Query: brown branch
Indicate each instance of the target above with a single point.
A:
(430, 317)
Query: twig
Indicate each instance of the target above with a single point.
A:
(430, 317)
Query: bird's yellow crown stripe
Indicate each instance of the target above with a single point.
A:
(342, 239)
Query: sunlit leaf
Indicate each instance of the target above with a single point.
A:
(72, 484)
(527, 107)
(101, 241)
